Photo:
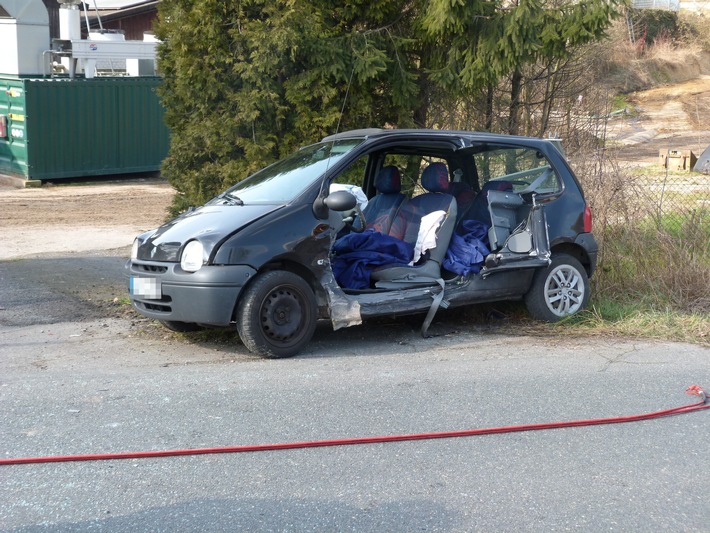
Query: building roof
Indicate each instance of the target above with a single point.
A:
(114, 4)
(117, 9)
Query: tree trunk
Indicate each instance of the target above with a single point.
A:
(547, 102)
(515, 89)
(420, 113)
(489, 107)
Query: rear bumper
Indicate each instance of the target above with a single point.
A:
(207, 296)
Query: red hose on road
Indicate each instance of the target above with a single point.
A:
(693, 390)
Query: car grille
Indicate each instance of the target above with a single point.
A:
(156, 306)
(153, 269)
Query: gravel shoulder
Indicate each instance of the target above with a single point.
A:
(671, 117)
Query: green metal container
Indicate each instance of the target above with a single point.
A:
(63, 128)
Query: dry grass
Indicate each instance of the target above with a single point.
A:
(647, 265)
(633, 66)
(631, 322)
(654, 246)
(604, 318)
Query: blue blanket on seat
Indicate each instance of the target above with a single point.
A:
(357, 254)
(468, 248)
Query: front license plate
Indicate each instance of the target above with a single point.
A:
(146, 288)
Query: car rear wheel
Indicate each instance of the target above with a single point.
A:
(558, 291)
(277, 315)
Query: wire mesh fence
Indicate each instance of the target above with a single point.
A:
(661, 195)
(675, 198)
(653, 227)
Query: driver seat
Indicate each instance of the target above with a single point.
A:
(381, 210)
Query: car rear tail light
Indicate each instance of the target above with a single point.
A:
(587, 219)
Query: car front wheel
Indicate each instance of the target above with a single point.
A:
(277, 315)
(558, 291)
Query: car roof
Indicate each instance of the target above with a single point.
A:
(375, 133)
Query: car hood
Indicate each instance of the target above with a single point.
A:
(209, 224)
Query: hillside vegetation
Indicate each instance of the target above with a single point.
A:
(658, 47)
(653, 224)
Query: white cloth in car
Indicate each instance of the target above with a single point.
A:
(426, 238)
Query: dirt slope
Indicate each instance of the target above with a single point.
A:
(674, 116)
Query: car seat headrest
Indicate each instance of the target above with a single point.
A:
(388, 180)
(435, 178)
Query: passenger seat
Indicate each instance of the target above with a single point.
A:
(407, 223)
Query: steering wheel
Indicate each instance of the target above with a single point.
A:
(349, 220)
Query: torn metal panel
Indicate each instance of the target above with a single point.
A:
(527, 246)
(344, 311)
(396, 302)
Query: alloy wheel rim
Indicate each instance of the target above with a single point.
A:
(564, 291)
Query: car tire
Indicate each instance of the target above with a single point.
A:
(277, 314)
(181, 327)
(558, 291)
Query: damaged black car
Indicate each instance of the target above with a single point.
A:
(369, 223)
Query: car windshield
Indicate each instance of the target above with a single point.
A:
(286, 179)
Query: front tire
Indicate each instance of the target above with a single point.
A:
(277, 314)
(558, 291)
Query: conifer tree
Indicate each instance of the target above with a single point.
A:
(494, 39)
(249, 81)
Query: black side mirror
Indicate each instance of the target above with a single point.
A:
(340, 201)
(335, 201)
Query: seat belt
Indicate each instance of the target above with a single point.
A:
(438, 302)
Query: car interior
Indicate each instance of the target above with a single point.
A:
(425, 196)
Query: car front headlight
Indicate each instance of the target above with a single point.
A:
(192, 256)
(134, 250)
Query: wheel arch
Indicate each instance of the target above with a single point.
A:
(576, 251)
(294, 267)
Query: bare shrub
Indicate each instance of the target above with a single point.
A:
(645, 264)
(653, 227)
(652, 251)
(693, 28)
(633, 60)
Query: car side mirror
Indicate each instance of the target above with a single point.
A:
(336, 201)
(340, 201)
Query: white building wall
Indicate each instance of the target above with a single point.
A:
(21, 47)
(673, 5)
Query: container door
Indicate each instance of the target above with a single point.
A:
(13, 132)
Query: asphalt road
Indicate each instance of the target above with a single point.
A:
(79, 374)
